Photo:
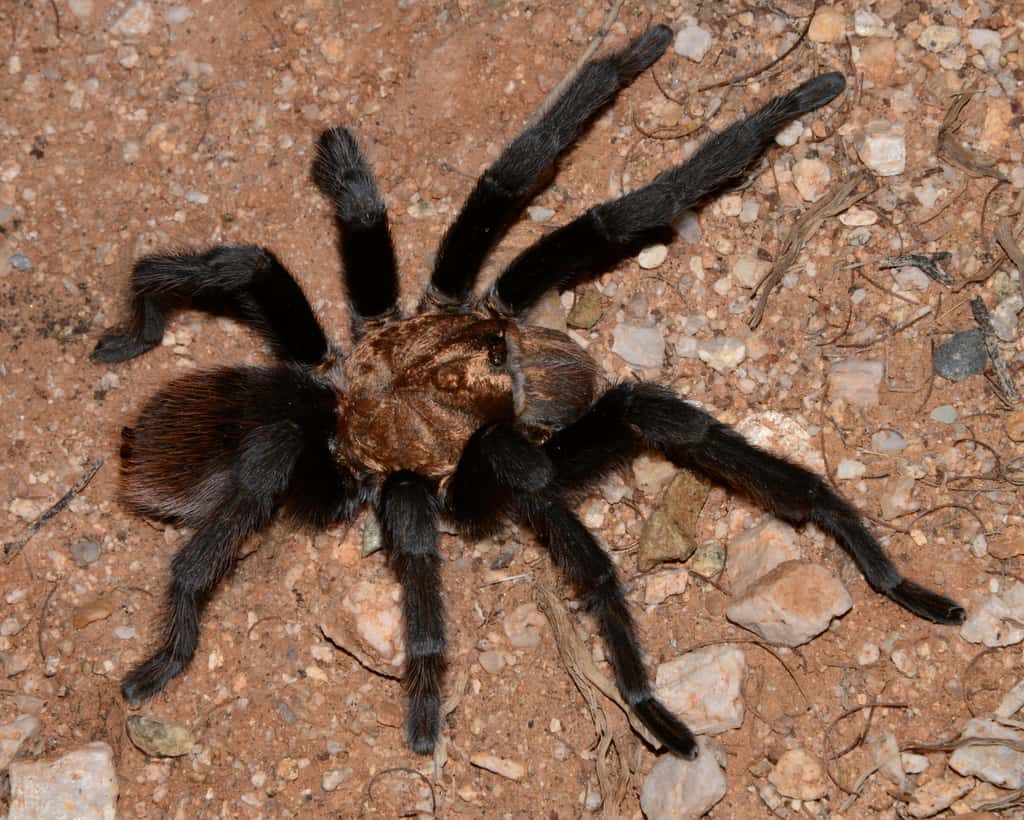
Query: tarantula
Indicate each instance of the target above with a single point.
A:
(463, 411)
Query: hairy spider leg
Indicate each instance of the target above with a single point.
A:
(408, 511)
(616, 229)
(500, 471)
(638, 416)
(244, 282)
(370, 270)
(220, 451)
(510, 182)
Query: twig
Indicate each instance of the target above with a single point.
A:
(405, 770)
(743, 76)
(953, 152)
(588, 52)
(56, 19)
(1006, 240)
(927, 263)
(12, 548)
(1006, 383)
(842, 197)
(42, 623)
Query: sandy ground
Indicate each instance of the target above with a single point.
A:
(195, 126)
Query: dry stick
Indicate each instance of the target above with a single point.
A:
(842, 197)
(1005, 238)
(927, 263)
(12, 548)
(588, 52)
(1006, 384)
(742, 77)
(589, 680)
(950, 149)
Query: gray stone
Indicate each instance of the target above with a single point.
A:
(723, 353)
(945, 413)
(1001, 766)
(678, 789)
(158, 737)
(705, 688)
(81, 785)
(86, 552)
(960, 356)
(539, 214)
(20, 262)
(888, 441)
(640, 346)
(692, 42)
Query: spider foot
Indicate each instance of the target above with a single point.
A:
(666, 727)
(149, 677)
(114, 347)
(927, 604)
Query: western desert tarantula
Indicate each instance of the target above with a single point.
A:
(463, 411)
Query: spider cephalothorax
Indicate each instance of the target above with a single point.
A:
(463, 411)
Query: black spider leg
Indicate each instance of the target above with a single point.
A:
(505, 188)
(370, 271)
(634, 417)
(614, 230)
(245, 282)
(265, 462)
(408, 511)
(500, 471)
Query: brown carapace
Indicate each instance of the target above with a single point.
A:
(416, 390)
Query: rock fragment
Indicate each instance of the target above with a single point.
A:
(938, 795)
(638, 345)
(799, 775)
(80, 785)
(16, 737)
(510, 769)
(158, 737)
(792, 604)
(1001, 766)
(755, 552)
(882, 146)
(960, 356)
(857, 381)
(678, 789)
(704, 688)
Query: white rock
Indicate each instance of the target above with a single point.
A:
(176, 15)
(137, 20)
(799, 775)
(914, 763)
(999, 765)
(330, 780)
(857, 381)
(868, 24)
(692, 42)
(748, 271)
(15, 737)
(678, 789)
(705, 688)
(857, 217)
(996, 620)
(510, 769)
(782, 435)
(849, 468)
(375, 610)
(652, 473)
(523, 626)
(640, 346)
(811, 178)
(885, 751)
(898, 496)
(755, 552)
(723, 353)
(790, 135)
(539, 214)
(882, 146)
(937, 795)
(652, 257)
(81, 785)
(1009, 706)
(794, 602)
(664, 584)
(82, 9)
(938, 38)
(983, 38)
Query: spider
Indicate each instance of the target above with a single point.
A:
(462, 412)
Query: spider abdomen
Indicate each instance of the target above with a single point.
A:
(417, 389)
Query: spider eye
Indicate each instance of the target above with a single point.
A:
(497, 350)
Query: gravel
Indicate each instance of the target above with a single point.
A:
(961, 356)
(158, 737)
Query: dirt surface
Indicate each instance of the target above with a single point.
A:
(196, 125)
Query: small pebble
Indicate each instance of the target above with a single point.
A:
(20, 262)
(125, 633)
(637, 345)
(677, 789)
(945, 413)
(938, 38)
(811, 178)
(158, 737)
(652, 257)
(827, 26)
(800, 775)
(723, 353)
(692, 42)
(539, 214)
(84, 553)
(330, 780)
(790, 135)
(882, 146)
(888, 441)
